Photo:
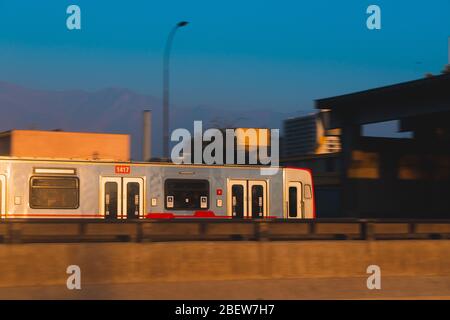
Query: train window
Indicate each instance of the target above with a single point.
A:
(54, 192)
(187, 194)
(292, 202)
(308, 191)
(257, 201)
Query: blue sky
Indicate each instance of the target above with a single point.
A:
(234, 54)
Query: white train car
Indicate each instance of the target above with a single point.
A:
(48, 188)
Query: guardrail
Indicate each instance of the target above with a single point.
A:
(54, 231)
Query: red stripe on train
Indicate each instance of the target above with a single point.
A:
(170, 215)
(197, 214)
(152, 215)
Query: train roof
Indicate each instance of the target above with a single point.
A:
(131, 162)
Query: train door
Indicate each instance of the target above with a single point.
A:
(2, 195)
(122, 198)
(257, 199)
(237, 199)
(111, 197)
(133, 195)
(247, 199)
(295, 200)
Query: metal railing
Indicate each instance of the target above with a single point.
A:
(54, 231)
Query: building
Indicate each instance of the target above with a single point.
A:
(325, 169)
(247, 143)
(307, 144)
(306, 135)
(394, 177)
(65, 145)
(379, 177)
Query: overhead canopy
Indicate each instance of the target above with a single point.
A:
(404, 100)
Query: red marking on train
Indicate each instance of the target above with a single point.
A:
(55, 215)
(165, 215)
(219, 192)
(160, 216)
(197, 215)
(204, 214)
(123, 169)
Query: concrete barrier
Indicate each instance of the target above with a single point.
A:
(110, 232)
(432, 228)
(49, 231)
(233, 228)
(45, 264)
(3, 230)
(338, 228)
(175, 228)
(391, 228)
(288, 229)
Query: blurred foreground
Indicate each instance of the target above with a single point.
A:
(410, 269)
(284, 289)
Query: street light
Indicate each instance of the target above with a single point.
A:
(166, 87)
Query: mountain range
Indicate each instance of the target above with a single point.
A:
(116, 110)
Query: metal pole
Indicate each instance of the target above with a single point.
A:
(166, 60)
(147, 136)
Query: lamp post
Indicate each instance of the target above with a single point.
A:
(166, 87)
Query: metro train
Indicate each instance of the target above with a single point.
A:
(50, 188)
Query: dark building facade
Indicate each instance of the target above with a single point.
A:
(391, 177)
(307, 144)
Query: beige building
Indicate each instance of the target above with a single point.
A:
(65, 145)
(248, 138)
